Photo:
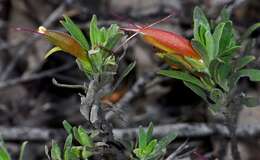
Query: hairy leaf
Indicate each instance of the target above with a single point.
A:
(182, 76)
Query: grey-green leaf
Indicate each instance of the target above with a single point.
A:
(182, 76)
(55, 151)
(252, 74)
(94, 31)
(67, 126)
(197, 90)
(167, 140)
(210, 45)
(250, 101)
(198, 46)
(21, 155)
(142, 139)
(128, 69)
(4, 155)
(250, 30)
(84, 137)
(217, 36)
(243, 61)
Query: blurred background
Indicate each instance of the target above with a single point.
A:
(32, 108)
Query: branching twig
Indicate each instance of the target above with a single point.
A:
(196, 130)
(173, 155)
(33, 77)
(56, 83)
(22, 51)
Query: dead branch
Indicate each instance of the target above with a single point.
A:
(196, 130)
(33, 77)
(22, 50)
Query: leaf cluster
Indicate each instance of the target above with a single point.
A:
(4, 154)
(222, 68)
(99, 52)
(78, 135)
(149, 148)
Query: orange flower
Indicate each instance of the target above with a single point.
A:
(62, 41)
(169, 42)
(65, 42)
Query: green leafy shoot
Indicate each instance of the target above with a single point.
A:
(149, 148)
(71, 151)
(4, 154)
(220, 68)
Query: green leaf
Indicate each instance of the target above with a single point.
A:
(142, 139)
(223, 74)
(75, 32)
(4, 155)
(138, 152)
(243, 61)
(67, 127)
(252, 74)
(197, 90)
(76, 134)
(202, 31)
(76, 151)
(217, 36)
(84, 137)
(199, 18)
(96, 58)
(21, 155)
(86, 153)
(68, 142)
(250, 101)
(198, 46)
(227, 40)
(182, 76)
(113, 36)
(50, 52)
(55, 151)
(149, 132)
(250, 30)
(68, 155)
(230, 51)
(85, 66)
(210, 46)
(166, 140)
(197, 65)
(176, 60)
(150, 147)
(128, 69)
(94, 32)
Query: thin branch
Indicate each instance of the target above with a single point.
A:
(173, 155)
(30, 134)
(33, 77)
(23, 50)
(197, 130)
(56, 83)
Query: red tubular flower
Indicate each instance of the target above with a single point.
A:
(62, 41)
(65, 42)
(169, 42)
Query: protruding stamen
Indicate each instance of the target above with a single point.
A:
(42, 29)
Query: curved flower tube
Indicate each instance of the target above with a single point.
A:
(169, 42)
(65, 42)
